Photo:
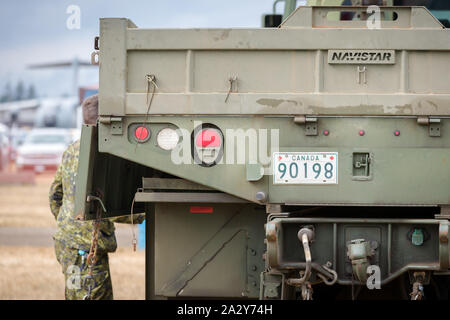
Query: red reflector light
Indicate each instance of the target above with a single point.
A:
(208, 138)
(141, 133)
(201, 209)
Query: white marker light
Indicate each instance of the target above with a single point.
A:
(167, 139)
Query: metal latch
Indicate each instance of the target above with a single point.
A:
(115, 122)
(361, 166)
(434, 125)
(310, 124)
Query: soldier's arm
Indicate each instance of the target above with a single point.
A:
(56, 192)
(137, 219)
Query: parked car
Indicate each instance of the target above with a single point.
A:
(42, 149)
(17, 138)
(4, 147)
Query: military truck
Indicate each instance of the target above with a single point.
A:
(272, 162)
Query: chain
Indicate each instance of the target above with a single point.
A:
(231, 80)
(151, 80)
(134, 241)
(92, 256)
(417, 292)
(417, 289)
(307, 291)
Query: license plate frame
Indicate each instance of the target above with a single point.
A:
(321, 168)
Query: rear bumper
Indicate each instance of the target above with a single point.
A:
(38, 168)
(390, 240)
(37, 164)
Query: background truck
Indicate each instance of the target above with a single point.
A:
(273, 161)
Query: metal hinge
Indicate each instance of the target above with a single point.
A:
(444, 214)
(434, 125)
(115, 122)
(310, 124)
(96, 41)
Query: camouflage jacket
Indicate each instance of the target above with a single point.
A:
(70, 231)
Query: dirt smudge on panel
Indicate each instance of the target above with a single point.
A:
(224, 35)
(363, 110)
(274, 103)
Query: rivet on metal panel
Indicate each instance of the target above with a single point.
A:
(261, 196)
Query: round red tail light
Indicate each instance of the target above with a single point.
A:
(207, 145)
(141, 133)
(208, 138)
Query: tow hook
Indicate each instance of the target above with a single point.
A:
(306, 236)
(417, 289)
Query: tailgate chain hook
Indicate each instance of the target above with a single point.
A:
(328, 282)
(232, 80)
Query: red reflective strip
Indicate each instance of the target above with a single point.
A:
(208, 138)
(201, 209)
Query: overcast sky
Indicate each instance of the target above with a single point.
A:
(36, 31)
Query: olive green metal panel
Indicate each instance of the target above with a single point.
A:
(113, 79)
(400, 176)
(113, 179)
(279, 71)
(408, 169)
(88, 152)
(282, 73)
(278, 104)
(214, 254)
(229, 178)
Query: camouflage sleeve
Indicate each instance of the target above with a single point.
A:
(137, 219)
(56, 192)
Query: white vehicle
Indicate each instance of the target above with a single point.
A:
(4, 147)
(42, 149)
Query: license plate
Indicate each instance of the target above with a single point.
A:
(305, 168)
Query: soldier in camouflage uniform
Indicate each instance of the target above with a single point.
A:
(73, 236)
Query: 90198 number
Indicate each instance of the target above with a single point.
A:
(293, 170)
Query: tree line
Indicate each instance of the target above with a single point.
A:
(19, 92)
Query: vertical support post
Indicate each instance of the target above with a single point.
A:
(113, 52)
(404, 73)
(318, 72)
(189, 77)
